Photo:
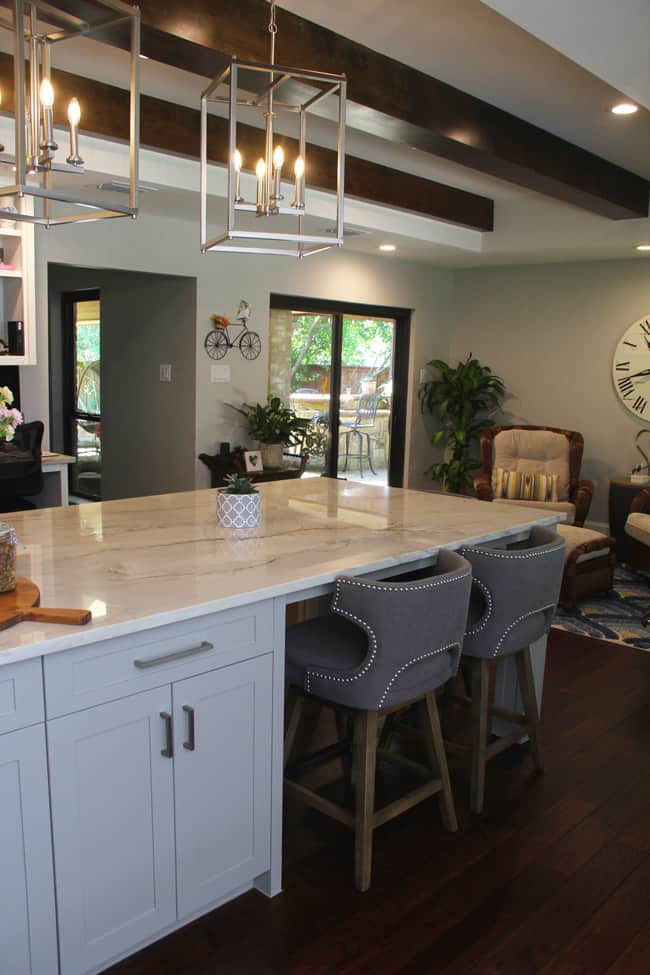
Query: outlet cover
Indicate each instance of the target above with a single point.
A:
(165, 373)
(220, 374)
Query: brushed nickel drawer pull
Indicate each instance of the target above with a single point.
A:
(168, 750)
(190, 744)
(167, 658)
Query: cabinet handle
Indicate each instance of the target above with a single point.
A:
(168, 750)
(166, 658)
(190, 744)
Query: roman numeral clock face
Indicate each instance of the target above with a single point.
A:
(631, 369)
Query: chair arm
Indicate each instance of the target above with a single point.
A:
(582, 496)
(641, 502)
(483, 486)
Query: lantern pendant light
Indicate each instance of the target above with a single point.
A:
(275, 220)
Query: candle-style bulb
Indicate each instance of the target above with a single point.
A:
(47, 93)
(237, 161)
(261, 202)
(299, 187)
(278, 157)
(74, 112)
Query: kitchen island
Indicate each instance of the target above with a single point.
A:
(146, 747)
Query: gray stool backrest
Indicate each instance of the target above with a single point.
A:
(514, 594)
(414, 629)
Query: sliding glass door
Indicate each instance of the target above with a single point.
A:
(338, 367)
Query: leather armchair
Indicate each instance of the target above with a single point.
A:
(580, 491)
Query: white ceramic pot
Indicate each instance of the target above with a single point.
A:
(239, 510)
(272, 455)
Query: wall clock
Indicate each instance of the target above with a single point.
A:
(631, 369)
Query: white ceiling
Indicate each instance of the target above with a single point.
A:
(470, 45)
(608, 38)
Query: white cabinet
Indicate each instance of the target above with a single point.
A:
(27, 912)
(222, 781)
(159, 796)
(113, 827)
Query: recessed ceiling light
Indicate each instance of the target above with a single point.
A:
(625, 108)
(145, 57)
(387, 247)
(643, 247)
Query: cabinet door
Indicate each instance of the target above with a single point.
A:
(223, 785)
(113, 826)
(27, 912)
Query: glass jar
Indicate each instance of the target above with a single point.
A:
(7, 558)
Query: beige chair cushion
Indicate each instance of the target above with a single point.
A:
(534, 452)
(574, 537)
(565, 506)
(638, 526)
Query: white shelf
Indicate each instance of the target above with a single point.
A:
(10, 274)
(14, 360)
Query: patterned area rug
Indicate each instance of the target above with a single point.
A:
(615, 617)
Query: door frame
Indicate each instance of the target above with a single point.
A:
(399, 411)
(68, 301)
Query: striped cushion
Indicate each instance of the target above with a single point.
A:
(517, 485)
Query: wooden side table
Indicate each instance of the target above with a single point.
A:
(220, 465)
(621, 494)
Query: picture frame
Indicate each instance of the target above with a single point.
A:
(253, 461)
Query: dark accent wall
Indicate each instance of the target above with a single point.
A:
(147, 426)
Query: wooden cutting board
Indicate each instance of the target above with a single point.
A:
(22, 603)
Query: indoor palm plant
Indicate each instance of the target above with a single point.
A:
(462, 398)
(274, 426)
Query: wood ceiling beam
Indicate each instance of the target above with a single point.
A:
(394, 101)
(169, 128)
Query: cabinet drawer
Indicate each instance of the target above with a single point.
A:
(112, 669)
(21, 695)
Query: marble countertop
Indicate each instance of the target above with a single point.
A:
(144, 562)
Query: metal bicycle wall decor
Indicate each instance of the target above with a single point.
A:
(220, 338)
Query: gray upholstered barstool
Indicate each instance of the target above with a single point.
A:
(514, 596)
(387, 646)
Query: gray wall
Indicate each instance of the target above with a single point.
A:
(170, 246)
(147, 426)
(550, 331)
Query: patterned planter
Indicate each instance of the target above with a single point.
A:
(239, 510)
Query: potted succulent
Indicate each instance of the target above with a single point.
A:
(238, 503)
(274, 426)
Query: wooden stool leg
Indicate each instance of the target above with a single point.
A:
(438, 760)
(295, 713)
(527, 687)
(480, 702)
(365, 760)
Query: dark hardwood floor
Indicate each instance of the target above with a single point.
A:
(554, 878)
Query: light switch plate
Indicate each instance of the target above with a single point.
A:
(165, 373)
(219, 374)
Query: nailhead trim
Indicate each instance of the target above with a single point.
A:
(387, 588)
(532, 612)
(495, 554)
(364, 625)
(371, 633)
(415, 660)
(483, 622)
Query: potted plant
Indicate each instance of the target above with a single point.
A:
(462, 397)
(238, 503)
(10, 417)
(274, 426)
